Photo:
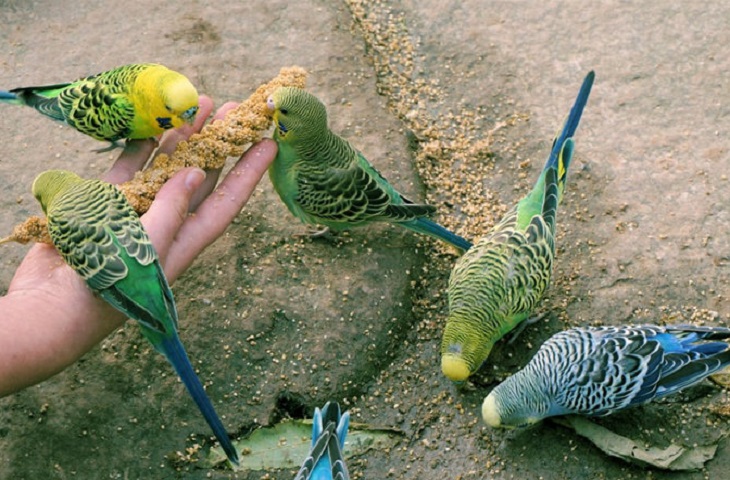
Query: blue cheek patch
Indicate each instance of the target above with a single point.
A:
(164, 122)
(282, 128)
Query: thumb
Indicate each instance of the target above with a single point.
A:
(170, 209)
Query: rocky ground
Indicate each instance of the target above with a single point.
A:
(455, 103)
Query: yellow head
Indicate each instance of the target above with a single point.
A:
(455, 367)
(180, 97)
(465, 345)
(164, 99)
(49, 184)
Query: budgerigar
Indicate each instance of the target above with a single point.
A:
(496, 284)
(100, 236)
(597, 371)
(325, 460)
(134, 101)
(324, 180)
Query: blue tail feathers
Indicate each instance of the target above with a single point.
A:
(691, 354)
(9, 97)
(433, 229)
(571, 124)
(176, 355)
(325, 460)
(331, 413)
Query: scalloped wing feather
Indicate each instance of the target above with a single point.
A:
(99, 109)
(90, 225)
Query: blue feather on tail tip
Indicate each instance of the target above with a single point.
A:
(571, 124)
(691, 354)
(8, 97)
(433, 229)
(325, 460)
(175, 353)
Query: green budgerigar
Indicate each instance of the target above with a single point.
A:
(133, 101)
(99, 235)
(324, 180)
(498, 282)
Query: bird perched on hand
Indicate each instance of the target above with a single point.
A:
(324, 180)
(496, 284)
(325, 460)
(99, 235)
(134, 101)
(598, 371)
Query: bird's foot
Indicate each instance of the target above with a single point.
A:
(521, 326)
(109, 148)
(314, 232)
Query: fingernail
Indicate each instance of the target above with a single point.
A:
(194, 178)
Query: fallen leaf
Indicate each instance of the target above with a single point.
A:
(722, 378)
(286, 445)
(673, 457)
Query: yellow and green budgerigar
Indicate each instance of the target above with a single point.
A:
(99, 235)
(497, 283)
(133, 101)
(324, 180)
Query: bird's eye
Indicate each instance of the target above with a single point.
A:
(284, 111)
(167, 107)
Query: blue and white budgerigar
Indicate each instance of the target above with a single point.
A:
(325, 460)
(99, 235)
(497, 283)
(598, 371)
(324, 180)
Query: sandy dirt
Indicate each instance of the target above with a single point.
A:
(455, 103)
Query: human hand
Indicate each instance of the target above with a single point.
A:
(49, 316)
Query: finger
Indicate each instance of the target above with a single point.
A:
(133, 158)
(220, 208)
(211, 179)
(221, 113)
(212, 175)
(170, 209)
(171, 138)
